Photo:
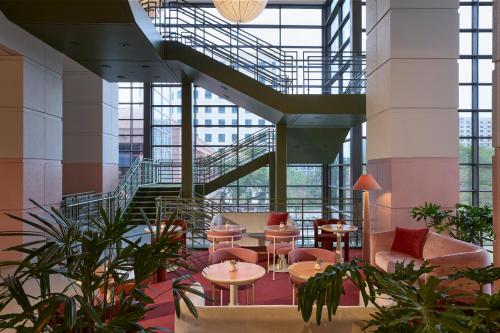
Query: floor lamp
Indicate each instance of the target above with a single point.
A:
(366, 183)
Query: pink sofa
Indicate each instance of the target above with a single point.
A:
(447, 253)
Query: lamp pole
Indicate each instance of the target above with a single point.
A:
(366, 225)
(366, 183)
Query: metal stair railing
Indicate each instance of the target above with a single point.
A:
(285, 71)
(229, 158)
(227, 43)
(82, 206)
(199, 213)
(141, 172)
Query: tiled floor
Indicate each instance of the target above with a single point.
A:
(267, 291)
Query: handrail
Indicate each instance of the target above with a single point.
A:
(200, 211)
(146, 171)
(140, 172)
(285, 71)
(215, 165)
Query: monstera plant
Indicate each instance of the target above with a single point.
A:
(418, 305)
(102, 275)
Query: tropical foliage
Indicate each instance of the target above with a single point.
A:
(418, 306)
(92, 264)
(468, 223)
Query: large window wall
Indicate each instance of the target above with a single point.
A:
(131, 120)
(475, 101)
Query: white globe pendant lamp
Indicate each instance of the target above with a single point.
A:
(240, 11)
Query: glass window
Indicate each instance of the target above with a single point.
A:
(485, 70)
(465, 17)
(208, 138)
(465, 43)
(485, 17)
(485, 43)
(485, 96)
(465, 97)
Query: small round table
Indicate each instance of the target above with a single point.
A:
(339, 229)
(277, 234)
(246, 273)
(305, 270)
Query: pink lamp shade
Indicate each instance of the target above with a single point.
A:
(366, 183)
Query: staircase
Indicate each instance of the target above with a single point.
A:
(119, 42)
(147, 180)
(236, 161)
(145, 201)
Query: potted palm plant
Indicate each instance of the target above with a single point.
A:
(93, 263)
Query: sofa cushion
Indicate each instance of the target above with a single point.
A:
(410, 241)
(276, 218)
(386, 260)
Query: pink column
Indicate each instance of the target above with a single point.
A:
(30, 127)
(412, 100)
(90, 154)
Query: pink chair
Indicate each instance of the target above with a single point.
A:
(238, 254)
(281, 242)
(223, 239)
(307, 254)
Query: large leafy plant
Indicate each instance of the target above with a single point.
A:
(93, 263)
(468, 223)
(418, 306)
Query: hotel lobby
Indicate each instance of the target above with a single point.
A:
(249, 165)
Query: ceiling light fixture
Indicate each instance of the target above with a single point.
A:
(240, 11)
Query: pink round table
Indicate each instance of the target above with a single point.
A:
(281, 234)
(245, 273)
(339, 229)
(305, 270)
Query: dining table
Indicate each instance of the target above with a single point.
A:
(278, 234)
(339, 230)
(304, 270)
(245, 273)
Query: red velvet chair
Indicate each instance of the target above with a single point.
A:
(326, 239)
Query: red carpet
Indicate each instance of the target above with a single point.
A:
(267, 291)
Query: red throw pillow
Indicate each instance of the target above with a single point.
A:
(410, 241)
(277, 218)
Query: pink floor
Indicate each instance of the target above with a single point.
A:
(267, 291)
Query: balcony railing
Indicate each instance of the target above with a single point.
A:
(199, 213)
(289, 72)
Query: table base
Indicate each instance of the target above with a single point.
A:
(233, 295)
(340, 254)
(281, 266)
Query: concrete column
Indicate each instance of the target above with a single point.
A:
(280, 167)
(412, 100)
(90, 153)
(187, 137)
(30, 128)
(496, 135)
